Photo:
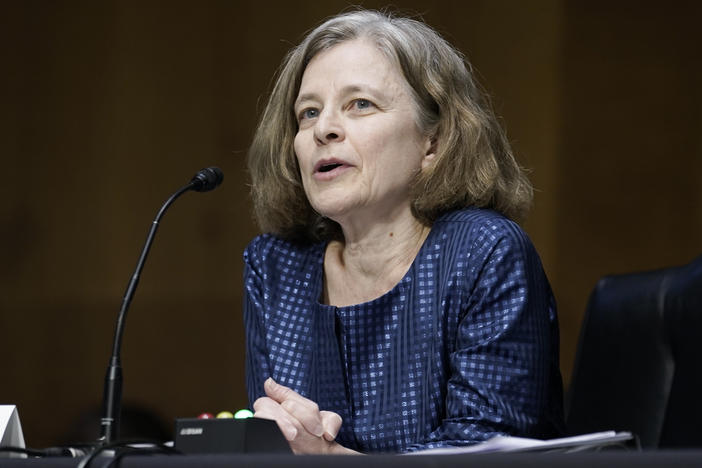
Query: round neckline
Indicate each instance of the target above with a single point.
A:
(394, 290)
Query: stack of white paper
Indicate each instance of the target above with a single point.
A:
(10, 428)
(520, 444)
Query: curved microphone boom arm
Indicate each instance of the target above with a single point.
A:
(205, 180)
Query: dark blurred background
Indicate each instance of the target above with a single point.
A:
(108, 107)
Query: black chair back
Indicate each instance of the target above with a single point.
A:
(639, 361)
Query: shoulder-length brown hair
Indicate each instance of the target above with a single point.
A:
(473, 166)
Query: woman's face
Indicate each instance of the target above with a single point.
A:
(358, 144)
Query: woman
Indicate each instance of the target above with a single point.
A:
(393, 304)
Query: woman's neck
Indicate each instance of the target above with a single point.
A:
(371, 259)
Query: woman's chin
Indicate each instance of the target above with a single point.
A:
(336, 210)
(335, 214)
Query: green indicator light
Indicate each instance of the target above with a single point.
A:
(243, 414)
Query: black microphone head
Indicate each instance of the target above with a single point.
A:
(207, 179)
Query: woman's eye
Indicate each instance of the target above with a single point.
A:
(309, 113)
(363, 104)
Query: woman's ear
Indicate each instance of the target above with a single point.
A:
(429, 152)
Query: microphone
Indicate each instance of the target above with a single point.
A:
(205, 180)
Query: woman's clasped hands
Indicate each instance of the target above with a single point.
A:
(307, 429)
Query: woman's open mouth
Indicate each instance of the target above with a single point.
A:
(329, 167)
(327, 170)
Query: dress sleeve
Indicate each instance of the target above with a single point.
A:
(504, 377)
(257, 367)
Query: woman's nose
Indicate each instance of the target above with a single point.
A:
(328, 128)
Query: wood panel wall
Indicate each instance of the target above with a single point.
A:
(108, 107)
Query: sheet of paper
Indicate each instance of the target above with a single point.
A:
(10, 428)
(516, 444)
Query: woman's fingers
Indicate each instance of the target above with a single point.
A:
(304, 410)
(332, 423)
(267, 408)
(300, 410)
(308, 416)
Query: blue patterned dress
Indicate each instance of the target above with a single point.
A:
(463, 348)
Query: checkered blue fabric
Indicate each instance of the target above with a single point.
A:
(463, 348)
